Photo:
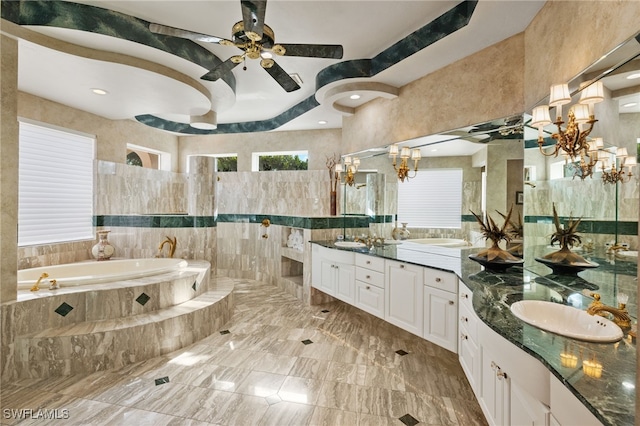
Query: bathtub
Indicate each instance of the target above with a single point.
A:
(442, 242)
(93, 272)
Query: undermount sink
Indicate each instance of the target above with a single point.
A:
(349, 244)
(567, 321)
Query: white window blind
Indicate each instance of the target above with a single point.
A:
(55, 201)
(433, 199)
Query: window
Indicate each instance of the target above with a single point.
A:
(283, 160)
(55, 187)
(433, 199)
(146, 157)
(224, 162)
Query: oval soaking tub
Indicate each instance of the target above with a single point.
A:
(442, 242)
(93, 272)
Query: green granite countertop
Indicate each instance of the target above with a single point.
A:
(611, 398)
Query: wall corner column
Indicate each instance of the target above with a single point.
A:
(8, 169)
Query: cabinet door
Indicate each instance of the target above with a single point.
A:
(403, 296)
(469, 356)
(440, 318)
(327, 281)
(345, 286)
(525, 410)
(495, 397)
(370, 299)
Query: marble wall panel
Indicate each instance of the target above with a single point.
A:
(289, 193)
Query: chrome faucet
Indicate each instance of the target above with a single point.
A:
(620, 315)
(172, 246)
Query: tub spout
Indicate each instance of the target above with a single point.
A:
(172, 246)
(36, 286)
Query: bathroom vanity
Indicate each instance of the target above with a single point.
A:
(519, 373)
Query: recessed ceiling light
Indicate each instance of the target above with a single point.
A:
(99, 91)
(633, 76)
(434, 150)
(323, 122)
(630, 104)
(354, 97)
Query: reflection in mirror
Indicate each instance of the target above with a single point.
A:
(583, 187)
(488, 155)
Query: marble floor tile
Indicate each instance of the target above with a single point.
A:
(277, 362)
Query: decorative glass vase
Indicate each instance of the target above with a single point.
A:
(400, 233)
(103, 250)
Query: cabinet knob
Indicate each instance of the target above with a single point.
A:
(464, 319)
(464, 296)
(368, 277)
(463, 336)
(438, 279)
(451, 302)
(368, 288)
(368, 262)
(402, 266)
(501, 374)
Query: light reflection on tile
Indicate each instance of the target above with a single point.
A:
(261, 374)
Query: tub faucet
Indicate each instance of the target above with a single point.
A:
(36, 286)
(172, 246)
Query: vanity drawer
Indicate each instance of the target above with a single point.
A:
(367, 276)
(468, 321)
(442, 280)
(370, 262)
(465, 296)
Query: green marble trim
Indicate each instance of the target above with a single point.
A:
(155, 221)
(74, 16)
(592, 226)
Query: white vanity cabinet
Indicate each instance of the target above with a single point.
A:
(514, 386)
(566, 410)
(404, 287)
(440, 308)
(333, 272)
(370, 284)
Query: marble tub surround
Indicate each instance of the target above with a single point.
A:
(277, 361)
(84, 329)
(610, 398)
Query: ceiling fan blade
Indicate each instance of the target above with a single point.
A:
(253, 18)
(177, 32)
(221, 70)
(281, 76)
(333, 51)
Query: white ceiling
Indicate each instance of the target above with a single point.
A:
(364, 28)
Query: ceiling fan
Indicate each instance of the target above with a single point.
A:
(257, 40)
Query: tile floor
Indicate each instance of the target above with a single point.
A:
(277, 362)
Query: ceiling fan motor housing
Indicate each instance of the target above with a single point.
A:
(243, 39)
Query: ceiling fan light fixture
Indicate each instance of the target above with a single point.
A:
(208, 121)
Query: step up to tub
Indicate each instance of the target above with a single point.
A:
(61, 342)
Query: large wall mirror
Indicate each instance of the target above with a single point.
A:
(485, 161)
(590, 188)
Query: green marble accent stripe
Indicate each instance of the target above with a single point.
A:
(592, 226)
(74, 16)
(155, 221)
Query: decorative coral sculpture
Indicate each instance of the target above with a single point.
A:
(491, 231)
(516, 232)
(567, 237)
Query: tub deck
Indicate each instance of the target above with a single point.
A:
(83, 329)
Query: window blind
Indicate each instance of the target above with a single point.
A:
(433, 199)
(55, 188)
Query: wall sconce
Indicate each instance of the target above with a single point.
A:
(350, 167)
(405, 154)
(615, 174)
(572, 141)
